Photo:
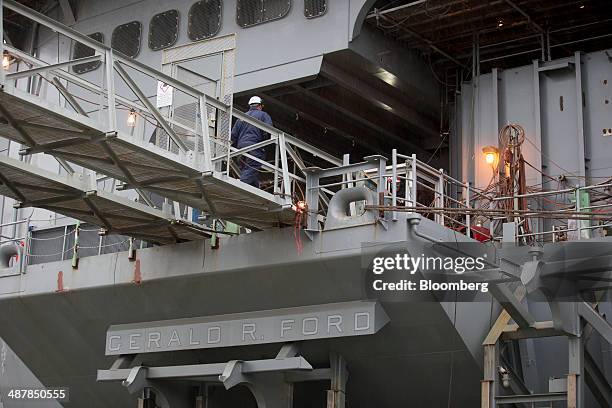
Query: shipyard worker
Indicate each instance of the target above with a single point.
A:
(244, 135)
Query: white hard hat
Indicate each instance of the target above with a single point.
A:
(255, 100)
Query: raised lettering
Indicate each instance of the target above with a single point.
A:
(315, 328)
(174, 338)
(334, 321)
(110, 343)
(286, 325)
(214, 335)
(191, 341)
(359, 321)
(154, 337)
(248, 328)
(133, 338)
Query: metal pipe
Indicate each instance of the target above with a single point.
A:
(468, 219)
(563, 230)
(527, 16)
(394, 182)
(341, 183)
(7, 252)
(510, 55)
(41, 70)
(413, 181)
(2, 73)
(552, 192)
(582, 40)
(394, 9)
(493, 212)
(238, 152)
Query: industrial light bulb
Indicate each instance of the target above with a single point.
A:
(6, 62)
(491, 155)
(131, 120)
(490, 158)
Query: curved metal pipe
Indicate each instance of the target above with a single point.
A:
(339, 205)
(414, 220)
(6, 253)
(338, 211)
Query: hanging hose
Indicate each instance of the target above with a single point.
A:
(301, 208)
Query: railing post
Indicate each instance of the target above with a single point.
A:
(75, 250)
(348, 177)
(346, 160)
(382, 188)
(394, 183)
(26, 248)
(2, 73)
(276, 160)
(64, 241)
(439, 199)
(578, 222)
(312, 198)
(110, 88)
(284, 166)
(413, 181)
(228, 160)
(468, 217)
(207, 165)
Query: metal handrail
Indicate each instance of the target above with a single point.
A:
(116, 64)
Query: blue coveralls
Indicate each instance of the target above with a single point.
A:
(245, 134)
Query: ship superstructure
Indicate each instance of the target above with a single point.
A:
(136, 268)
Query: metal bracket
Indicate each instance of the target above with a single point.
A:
(517, 311)
(288, 350)
(136, 379)
(232, 374)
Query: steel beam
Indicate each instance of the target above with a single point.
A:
(68, 96)
(377, 12)
(209, 370)
(601, 325)
(49, 147)
(524, 14)
(430, 43)
(530, 398)
(516, 309)
(597, 381)
(67, 10)
(16, 125)
(41, 70)
(352, 115)
(12, 188)
(384, 101)
(317, 120)
(152, 109)
(538, 329)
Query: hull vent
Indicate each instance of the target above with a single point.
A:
(204, 19)
(83, 51)
(163, 30)
(315, 8)
(126, 39)
(252, 12)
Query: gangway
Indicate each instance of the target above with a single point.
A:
(44, 128)
(193, 175)
(77, 197)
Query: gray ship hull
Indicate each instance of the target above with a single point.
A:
(426, 354)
